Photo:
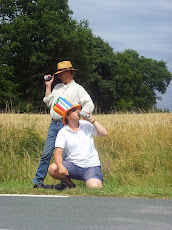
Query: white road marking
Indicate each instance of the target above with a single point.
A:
(28, 195)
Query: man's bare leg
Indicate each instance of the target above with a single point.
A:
(94, 183)
(53, 171)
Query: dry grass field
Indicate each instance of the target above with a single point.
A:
(135, 156)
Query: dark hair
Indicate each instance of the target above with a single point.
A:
(66, 120)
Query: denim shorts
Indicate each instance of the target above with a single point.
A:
(78, 173)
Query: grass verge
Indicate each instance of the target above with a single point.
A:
(136, 156)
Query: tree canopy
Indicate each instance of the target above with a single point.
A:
(36, 34)
(126, 80)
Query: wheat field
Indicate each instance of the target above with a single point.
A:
(137, 153)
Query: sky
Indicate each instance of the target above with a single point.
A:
(142, 25)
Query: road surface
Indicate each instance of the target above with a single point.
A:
(83, 213)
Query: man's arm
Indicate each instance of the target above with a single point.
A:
(48, 99)
(101, 131)
(59, 162)
(48, 86)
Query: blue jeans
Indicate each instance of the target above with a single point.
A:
(47, 152)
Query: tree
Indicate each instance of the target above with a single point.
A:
(29, 40)
(138, 79)
(35, 36)
(78, 48)
(103, 86)
(8, 90)
(125, 81)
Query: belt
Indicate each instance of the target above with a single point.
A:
(57, 120)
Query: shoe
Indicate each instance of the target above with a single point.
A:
(41, 185)
(68, 185)
(48, 186)
(60, 187)
(64, 186)
(71, 186)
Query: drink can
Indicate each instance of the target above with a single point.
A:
(47, 78)
(86, 116)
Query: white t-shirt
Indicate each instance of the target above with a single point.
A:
(73, 92)
(79, 146)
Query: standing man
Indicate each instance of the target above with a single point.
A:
(74, 92)
(75, 138)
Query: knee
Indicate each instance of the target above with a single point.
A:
(94, 183)
(52, 169)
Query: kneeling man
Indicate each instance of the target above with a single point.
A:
(75, 139)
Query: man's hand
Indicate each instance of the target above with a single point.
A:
(49, 83)
(63, 171)
(48, 86)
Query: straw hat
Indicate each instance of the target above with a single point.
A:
(63, 66)
(62, 106)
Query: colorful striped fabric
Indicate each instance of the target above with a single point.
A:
(62, 105)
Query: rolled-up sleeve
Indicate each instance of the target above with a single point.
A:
(48, 100)
(85, 100)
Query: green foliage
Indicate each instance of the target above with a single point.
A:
(138, 79)
(103, 86)
(36, 35)
(81, 53)
(8, 90)
(126, 81)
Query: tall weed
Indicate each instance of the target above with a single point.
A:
(20, 150)
(137, 152)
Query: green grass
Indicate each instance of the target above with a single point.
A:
(81, 190)
(136, 156)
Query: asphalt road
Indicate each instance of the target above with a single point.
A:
(84, 213)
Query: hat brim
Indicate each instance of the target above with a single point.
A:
(64, 116)
(61, 71)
